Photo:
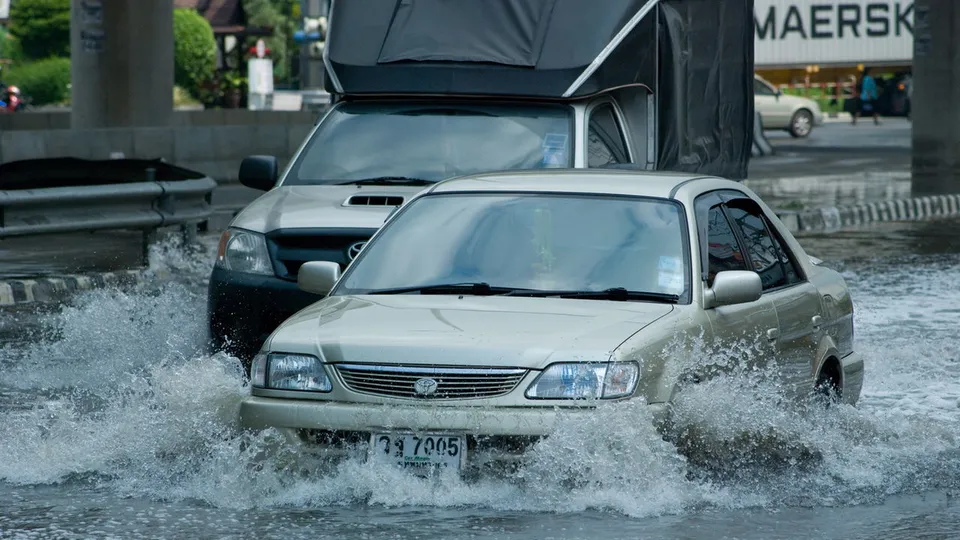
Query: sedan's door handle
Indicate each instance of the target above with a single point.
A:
(817, 321)
(773, 334)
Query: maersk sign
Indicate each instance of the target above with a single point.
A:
(825, 32)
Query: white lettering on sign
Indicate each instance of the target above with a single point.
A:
(798, 32)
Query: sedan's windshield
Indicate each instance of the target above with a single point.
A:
(517, 244)
(364, 141)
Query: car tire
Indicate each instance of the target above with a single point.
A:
(828, 388)
(801, 124)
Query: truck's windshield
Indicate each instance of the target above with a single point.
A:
(361, 141)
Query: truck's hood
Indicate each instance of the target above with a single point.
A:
(469, 331)
(318, 206)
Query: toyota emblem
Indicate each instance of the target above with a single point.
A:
(354, 250)
(425, 387)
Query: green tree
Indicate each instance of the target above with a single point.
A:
(195, 50)
(42, 27)
(276, 14)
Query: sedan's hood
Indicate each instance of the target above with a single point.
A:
(320, 207)
(469, 331)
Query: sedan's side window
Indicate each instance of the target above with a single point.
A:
(605, 141)
(723, 250)
(765, 254)
(789, 266)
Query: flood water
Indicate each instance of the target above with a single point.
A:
(114, 424)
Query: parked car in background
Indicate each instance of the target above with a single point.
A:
(489, 307)
(778, 111)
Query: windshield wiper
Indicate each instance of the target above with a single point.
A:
(389, 181)
(474, 289)
(484, 289)
(615, 293)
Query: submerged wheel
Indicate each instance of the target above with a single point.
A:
(801, 124)
(828, 386)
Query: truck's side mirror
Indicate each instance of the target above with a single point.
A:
(259, 172)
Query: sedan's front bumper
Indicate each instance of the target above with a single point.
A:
(327, 425)
(259, 413)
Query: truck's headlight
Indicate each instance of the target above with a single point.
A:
(281, 371)
(244, 251)
(581, 380)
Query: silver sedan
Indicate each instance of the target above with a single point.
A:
(489, 307)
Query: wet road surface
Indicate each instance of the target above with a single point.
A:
(115, 424)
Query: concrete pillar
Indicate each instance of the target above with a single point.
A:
(936, 97)
(122, 63)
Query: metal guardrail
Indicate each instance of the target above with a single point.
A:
(145, 206)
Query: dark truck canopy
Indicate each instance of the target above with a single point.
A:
(696, 56)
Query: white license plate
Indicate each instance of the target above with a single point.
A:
(420, 450)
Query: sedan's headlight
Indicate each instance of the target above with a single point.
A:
(580, 380)
(244, 251)
(280, 371)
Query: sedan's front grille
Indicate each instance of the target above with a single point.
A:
(423, 382)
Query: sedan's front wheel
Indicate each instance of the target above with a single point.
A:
(801, 124)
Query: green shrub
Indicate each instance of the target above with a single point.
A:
(195, 50)
(44, 81)
(42, 27)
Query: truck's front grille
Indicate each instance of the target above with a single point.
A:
(427, 382)
(290, 248)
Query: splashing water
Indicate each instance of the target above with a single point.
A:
(119, 394)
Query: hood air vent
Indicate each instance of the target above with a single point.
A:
(374, 200)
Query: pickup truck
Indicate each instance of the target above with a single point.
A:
(423, 94)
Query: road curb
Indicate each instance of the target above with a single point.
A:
(834, 218)
(58, 288)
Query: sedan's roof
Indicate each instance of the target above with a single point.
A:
(635, 183)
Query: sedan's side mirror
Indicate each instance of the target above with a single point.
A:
(259, 172)
(318, 277)
(733, 287)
